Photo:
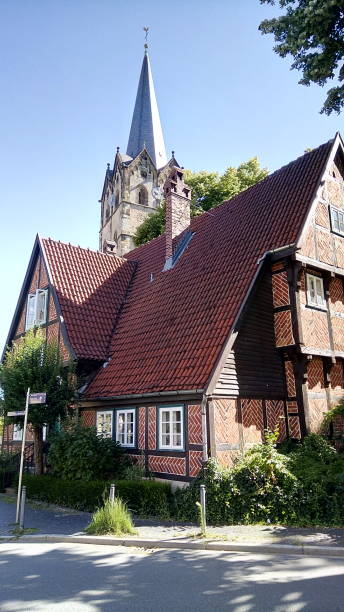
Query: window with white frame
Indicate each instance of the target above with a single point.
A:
(171, 424)
(125, 427)
(104, 423)
(337, 220)
(315, 291)
(36, 311)
(17, 433)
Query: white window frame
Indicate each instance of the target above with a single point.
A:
(319, 300)
(170, 410)
(100, 431)
(337, 220)
(34, 297)
(125, 412)
(17, 433)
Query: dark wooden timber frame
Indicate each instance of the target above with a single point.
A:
(174, 402)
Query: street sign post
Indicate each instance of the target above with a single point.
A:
(22, 453)
(31, 398)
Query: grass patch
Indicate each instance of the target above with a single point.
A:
(111, 519)
(17, 531)
(7, 499)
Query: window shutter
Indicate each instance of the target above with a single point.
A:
(30, 311)
(41, 306)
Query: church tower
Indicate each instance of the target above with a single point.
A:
(133, 188)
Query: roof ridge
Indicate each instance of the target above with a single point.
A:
(268, 177)
(87, 249)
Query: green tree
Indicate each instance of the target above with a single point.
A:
(312, 32)
(152, 227)
(208, 190)
(33, 362)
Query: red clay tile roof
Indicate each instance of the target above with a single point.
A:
(171, 329)
(91, 288)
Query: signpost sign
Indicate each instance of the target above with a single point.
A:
(31, 398)
(37, 398)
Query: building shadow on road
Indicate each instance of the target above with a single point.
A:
(88, 578)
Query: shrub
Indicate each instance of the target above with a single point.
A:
(320, 473)
(112, 518)
(144, 497)
(260, 487)
(78, 453)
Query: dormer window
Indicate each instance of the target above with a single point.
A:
(337, 220)
(36, 311)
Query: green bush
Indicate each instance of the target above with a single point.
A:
(113, 518)
(259, 488)
(303, 487)
(78, 453)
(144, 497)
(320, 473)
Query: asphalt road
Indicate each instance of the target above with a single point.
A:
(85, 578)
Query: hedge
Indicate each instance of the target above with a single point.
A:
(302, 486)
(143, 497)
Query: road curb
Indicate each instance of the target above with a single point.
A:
(287, 549)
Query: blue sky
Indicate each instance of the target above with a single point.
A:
(70, 69)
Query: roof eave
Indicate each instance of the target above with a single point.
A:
(102, 398)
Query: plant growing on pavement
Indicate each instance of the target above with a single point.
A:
(33, 362)
(113, 518)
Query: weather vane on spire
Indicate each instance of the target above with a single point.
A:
(146, 30)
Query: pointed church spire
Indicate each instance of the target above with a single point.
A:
(145, 128)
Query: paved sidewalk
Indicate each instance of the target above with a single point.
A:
(49, 519)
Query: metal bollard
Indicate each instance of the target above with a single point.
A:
(22, 507)
(203, 506)
(112, 494)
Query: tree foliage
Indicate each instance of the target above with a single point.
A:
(33, 362)
(208, 189)
(312, 32)
(152, 227)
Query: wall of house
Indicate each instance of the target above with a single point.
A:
(320, 243)
(179, 465)
(322, 330)
(52, 327)
(258, 373)
(254, 367)
(238, 424)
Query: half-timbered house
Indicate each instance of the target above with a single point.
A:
(226, 325)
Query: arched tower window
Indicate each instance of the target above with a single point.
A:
(143, 196)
